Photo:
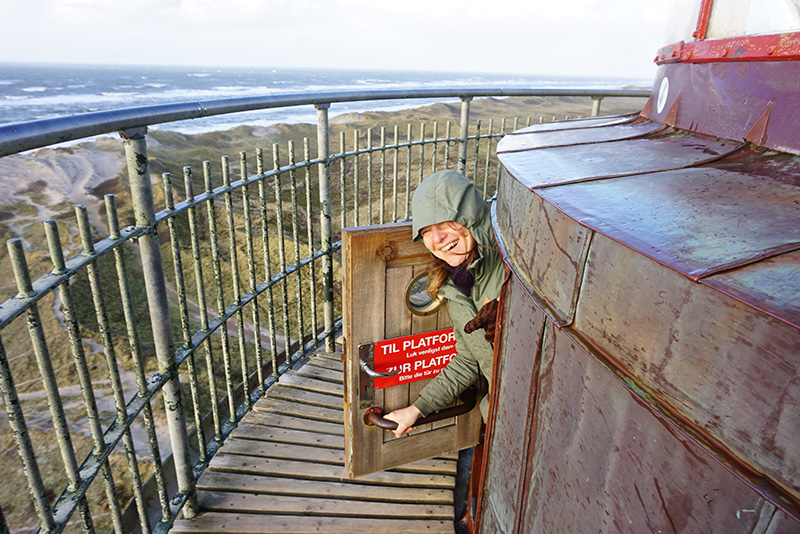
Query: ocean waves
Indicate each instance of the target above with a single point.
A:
(30, 92)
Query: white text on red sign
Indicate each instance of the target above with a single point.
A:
(415, 357)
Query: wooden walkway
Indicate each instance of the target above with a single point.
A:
(282, 471)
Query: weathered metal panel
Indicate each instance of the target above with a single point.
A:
(727, 99)
(771, 285)
(543, 139)
(696, 221)
(723, 370)
(781, 523)
(586, 122)
(547, 248)
(704, 376)
(561, 165)
(513, 397)
(602, 462)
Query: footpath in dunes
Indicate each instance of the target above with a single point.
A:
(282, 470)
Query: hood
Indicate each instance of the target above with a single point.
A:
(449, 196)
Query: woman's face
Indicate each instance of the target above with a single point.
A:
(449, 241)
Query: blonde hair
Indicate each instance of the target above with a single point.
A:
(437, 268)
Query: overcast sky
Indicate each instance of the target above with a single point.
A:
(614, 38)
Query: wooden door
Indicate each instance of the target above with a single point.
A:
(379, 262)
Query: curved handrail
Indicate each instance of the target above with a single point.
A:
(131, 122)
(29, 135)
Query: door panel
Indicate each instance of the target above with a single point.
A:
(379, 262)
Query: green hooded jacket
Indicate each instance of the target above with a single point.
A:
(449, 196)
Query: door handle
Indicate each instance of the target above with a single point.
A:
(373, 373)
(374, 415)
(366, 375)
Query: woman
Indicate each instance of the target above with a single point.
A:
(453, 221)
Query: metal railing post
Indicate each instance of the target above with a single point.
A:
(16, 421)
(463, 135)
(323, 153)
(156, 288)
(596, 105)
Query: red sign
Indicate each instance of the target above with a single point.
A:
(416, 357)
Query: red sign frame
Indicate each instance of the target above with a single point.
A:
(416, 357)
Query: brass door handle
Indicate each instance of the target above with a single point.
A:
(374, 415)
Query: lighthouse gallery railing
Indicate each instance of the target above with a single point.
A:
(245, 265)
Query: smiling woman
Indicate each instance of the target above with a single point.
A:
(452, 219)
(449, 241)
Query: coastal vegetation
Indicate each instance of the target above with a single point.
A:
(45, 184)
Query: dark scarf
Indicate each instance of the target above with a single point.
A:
(461, 277)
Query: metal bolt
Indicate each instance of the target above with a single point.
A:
(155, 378)
(177, 500)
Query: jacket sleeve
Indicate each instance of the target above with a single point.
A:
(459, 374)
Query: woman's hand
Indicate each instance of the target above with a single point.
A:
(405, 419)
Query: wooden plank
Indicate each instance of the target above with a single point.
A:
(333, 365)
(321, 374)
(398, 323)
(290, 468)
(279, 434)
(267, 485)
(285, 473)
(317, 413)
(279, 391)
(318, 506)
(267, 449)
(291, 422)
(277, 524)
(431, 465)
(443, 439)
(339, 356)
(292, 379)
(363, 283)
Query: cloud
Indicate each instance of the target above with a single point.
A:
(582, 37)
(87, 13)
(229, 14)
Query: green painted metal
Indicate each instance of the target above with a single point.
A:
(262, 196)
(284, 285)
(16, 420)
(158, 307)
(136, 356)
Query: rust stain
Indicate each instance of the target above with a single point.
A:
(387, 251)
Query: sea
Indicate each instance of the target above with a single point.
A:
(31, 92)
